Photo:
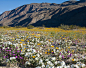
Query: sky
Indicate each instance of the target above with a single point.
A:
(7, 5)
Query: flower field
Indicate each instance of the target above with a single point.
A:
(43, 48)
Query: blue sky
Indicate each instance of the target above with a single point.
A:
(7, 5)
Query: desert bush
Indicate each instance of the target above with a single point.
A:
(6, 26)
(68, 27)
(65, 27)
(30, 27)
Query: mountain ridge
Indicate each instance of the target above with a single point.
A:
(48, 14)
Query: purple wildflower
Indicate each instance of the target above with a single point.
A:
(21, 57)
(4, 57)
(60, 54)
(68, 51)
(52, 52)
(16, 47)
(10, 53)
(70, 55)
(13, 54)
(18, 51)
(63, 56)
(9, 50)
(16, 56)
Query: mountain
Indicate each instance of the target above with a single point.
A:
(48, 14)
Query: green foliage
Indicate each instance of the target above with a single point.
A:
(6, 26)
(68, 27)
(65, 27)
(30, 27)
(43, 26)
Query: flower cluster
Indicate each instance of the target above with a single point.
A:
(41, 50)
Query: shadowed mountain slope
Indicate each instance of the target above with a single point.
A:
(48, 14)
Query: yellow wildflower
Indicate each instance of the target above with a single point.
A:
(52, 51)
(72, 50)
(48, 49)
(20, 42)
(24, 48)
(33, 56)
(38, 44)
(24, 44)
(52, 46)
(57, 48)
(48, 53)
(72, 59)
(45, 52)
(69, 47)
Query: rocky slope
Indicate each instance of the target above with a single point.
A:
(48, 14)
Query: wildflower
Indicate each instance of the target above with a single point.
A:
(20, 57)
(72, 50)
(57, 48)
(69, 47)
(53, 58)
(45, 52)
(48, 53)
(60, 54)
(9, 50)
(52, 52)
(16, 47)
(82, 65)
(7, 60)
(72, 59)
(16, 56)
(63, 56)
(36, 58)
(10, 53)
(70, 55)
(25, 48)
(27, 63)
(56, 62)
(62, 63)
(24, 44)
(4, 57)
(13, 51)
(13, 54)
(18, 51)
(12, 58)
(68, 51)
(48, 49)
(33, 56)
(52, 46)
